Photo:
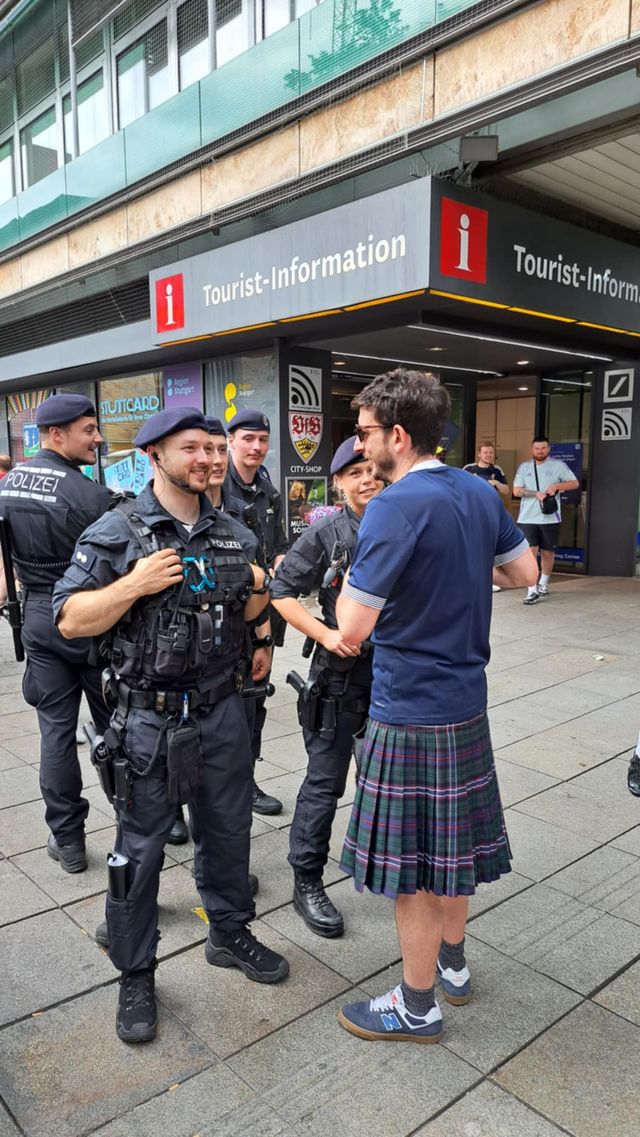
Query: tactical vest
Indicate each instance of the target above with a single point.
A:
(191, 630)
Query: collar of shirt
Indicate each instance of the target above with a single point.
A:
(151, 511)
(426, 464)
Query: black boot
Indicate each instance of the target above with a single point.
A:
(319, 914)
(179, 834)
(241, 949)
(136, 1020)
(264, 803)
(71, 858)
(633, 776)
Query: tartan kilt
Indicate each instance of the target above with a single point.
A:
(427, 811)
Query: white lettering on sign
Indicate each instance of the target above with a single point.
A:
(280, 277)
(573, 275)
(463, 232)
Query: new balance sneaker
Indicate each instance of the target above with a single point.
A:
(456, 985)
(136, 1019)
(241, 949)
(543, 589)
(533, 599)
(386, 1019)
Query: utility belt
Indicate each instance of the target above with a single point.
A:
(175, 702)
(317, 709)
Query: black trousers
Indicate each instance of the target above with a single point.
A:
(324, 782)
(220, 823)
(56, 675)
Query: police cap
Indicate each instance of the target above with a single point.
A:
(58, 410)
(214, 425)
(346, 455)
(250, 420)
(170, 422)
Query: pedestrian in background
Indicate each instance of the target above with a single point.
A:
(427, 825)
(539, 483)
(5, 465)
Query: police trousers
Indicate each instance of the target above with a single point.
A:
(325, 781)
(56, 675)
(220, 817)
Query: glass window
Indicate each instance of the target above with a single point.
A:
(234, 382)
(6, 102)
(143, 75)
(131, 14)
(7, 188)
(193, 45)
(88, 50)
(303, 6)
(35, 76)
(124, 404)
(24, 438)
(231, 30)
(277, 14)
(39, 143)
(93, 123)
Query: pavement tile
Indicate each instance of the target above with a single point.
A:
(66, 887)
(511, 722)
(255, 1118)
(584, 811)
(574, 701)
(487, 1111)
(577, 945)
(53, 1094)
(288, 752)
(629, 841)
(23, 827)
(45, 959)
(511, 1004)
(9, 761)
(267, 770)
(229, 1012)
(555, 752)
(517, 782)
(609, 780)
(622, 996)
(369, 942)
(185, 1108)
(608, 879)
(540, 849)
(286, 788)
(18, 785)
(269, 862)
(582, 1074)
(18, 723)
(489, 896)
(25, 746)
(7, 1128)
(616, 681)
(19, 897)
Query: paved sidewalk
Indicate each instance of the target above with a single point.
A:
(550, 1043)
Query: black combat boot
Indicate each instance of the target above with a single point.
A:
(136, 1019)
(264, 803)
(240, 948)
(633, 776)
(71, 858)
(179, 834)
(312, 903)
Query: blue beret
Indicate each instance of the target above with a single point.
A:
(214, 425)
(346, 455)
(170, 422)
(250, 420)
(58, 410)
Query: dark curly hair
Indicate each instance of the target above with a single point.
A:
(414, 400)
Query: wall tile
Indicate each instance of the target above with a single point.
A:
(98, 238)
(269, 162)
(46, 261)
(165, 208)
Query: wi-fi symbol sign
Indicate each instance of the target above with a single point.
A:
(616, 425)
(305, 386)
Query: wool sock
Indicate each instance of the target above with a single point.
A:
(452, 955)
(418, 1001)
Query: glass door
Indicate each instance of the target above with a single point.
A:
(566, 418)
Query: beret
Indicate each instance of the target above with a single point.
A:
(346, 455)
(58, 410)
(250, 420)
(170, 422)
(214, 425)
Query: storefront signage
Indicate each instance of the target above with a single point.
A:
(371, 248)
(183, 386)
(133, 409)
(30, 439)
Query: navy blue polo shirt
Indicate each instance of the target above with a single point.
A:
(426, 550)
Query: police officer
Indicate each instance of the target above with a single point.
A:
(251, 497)
(166, 580)
(334, 703)
(49, 502)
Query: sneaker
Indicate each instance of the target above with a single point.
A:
(71, 858)
(242, 949)
(633, 776)
(533, 599)
(456, 985)
(101, 935)
(136, 1019)
(264, 803)
(543, 590)
(387, 1019)
(496, 588)
(179, 834)
(318, 912)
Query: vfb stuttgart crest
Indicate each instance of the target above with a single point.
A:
(305, 431)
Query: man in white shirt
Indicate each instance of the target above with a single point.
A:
(535, 480)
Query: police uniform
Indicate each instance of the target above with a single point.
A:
(48, 503)
(343, 701)
(258, 504)
(176, 661)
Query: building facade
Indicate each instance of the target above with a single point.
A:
(265, 202)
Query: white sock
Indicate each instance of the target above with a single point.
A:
(544, 579)
(638, 747)
(532, 591)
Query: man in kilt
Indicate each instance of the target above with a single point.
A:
(427, 825)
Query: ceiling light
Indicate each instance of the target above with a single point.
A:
(339, 363)
(523, 362)
(423, 363)
(436, 349)
(523, 388)
(513, 343)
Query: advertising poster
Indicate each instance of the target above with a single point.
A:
(119, 476)
(183, 386)
(571, 454)
(30, 439)
(303, 494)
(142, 471)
